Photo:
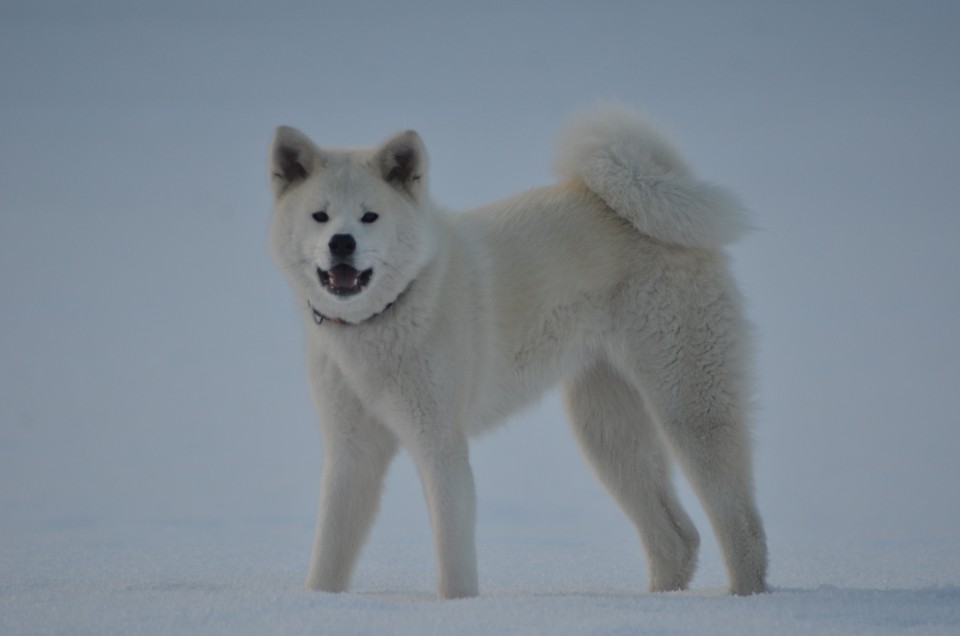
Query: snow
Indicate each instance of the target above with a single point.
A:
(158, 458)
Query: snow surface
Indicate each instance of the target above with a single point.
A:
(158, 458)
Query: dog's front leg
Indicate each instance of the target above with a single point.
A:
(356, 454)
(444, 467)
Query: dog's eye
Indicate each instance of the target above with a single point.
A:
(369, 217)
(320, 217)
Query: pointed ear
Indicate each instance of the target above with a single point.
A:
(293, 157)
(402, 162)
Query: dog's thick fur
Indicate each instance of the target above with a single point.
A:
(425, 328)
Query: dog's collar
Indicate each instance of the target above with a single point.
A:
(320, 318)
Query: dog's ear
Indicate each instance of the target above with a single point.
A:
(293, 157)
(402, 162)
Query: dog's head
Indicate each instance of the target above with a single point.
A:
(351, 228)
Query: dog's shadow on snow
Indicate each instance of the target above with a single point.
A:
(882, 600)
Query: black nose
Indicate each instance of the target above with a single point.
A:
(342, 245)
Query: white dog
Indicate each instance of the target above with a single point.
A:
(425, 328)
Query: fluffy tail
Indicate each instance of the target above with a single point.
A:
(636, 171)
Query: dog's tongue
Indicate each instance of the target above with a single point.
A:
(344, 276)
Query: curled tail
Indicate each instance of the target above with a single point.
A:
(635, 170)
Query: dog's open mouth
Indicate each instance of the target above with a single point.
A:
(343, 279)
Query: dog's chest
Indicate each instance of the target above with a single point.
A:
(379, 367)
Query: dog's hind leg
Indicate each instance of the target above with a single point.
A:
(699, 405)
(615, 432)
